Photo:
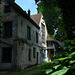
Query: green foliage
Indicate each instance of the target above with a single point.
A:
(60, 14)
(60, 72)
(0, 1)
(13, 0)
(65, 62)
(53, 17)
(29, 72)
(45, 66)
(48, 71)
(1, 26)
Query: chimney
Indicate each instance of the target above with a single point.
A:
(29, 12)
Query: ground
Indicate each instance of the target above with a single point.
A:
(37, 70)
(31, 72)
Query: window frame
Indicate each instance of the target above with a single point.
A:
(43, 32)
(34, 52)
(6, 10)
(29, 55)
(7, 33)
(28, 32)
(37, 37)
(6, 58)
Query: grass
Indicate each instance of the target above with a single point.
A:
(37, 71)
(30, 72)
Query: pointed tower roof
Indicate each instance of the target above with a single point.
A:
(36, 18)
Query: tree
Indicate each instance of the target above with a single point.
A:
(0, 21)
(62, 11)
(53, 17)
(64, 63)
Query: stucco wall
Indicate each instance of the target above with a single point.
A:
(42, 21)
(23, 48)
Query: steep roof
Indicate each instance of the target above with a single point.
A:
(49, 38)
(22, 12)
(36, 18)
(61, 43)
(57, 42)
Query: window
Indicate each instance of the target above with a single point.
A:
(36, 37)
(7, 29)
(47, 43)
(34, 50)
(29, 54)
(7, 55)
(28, 33)
(51, 43)
(6, 9)
(43, 32)
(1, 30)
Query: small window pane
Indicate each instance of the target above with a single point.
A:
(29, 54)
(6, 55)
(7, 9)
(36, 37)
(34, 50)
(7, 29)
(28, 33)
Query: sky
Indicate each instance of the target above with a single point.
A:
(27, 4)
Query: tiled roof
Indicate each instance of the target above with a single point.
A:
(49, 38)
(36, 18)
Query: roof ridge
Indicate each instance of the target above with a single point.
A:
(22, 12)
(36, 18)
(36, 14)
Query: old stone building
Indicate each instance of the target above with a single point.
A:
(38, 19)
(20, 46)
(25, 40)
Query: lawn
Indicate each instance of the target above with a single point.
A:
(39, 70)
(30, 72)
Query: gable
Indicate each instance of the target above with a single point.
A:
(36, 18)
(49, 38)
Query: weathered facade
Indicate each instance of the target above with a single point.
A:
(20, 45)
(25, 40)
(38, 19)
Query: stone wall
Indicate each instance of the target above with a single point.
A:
(9, 42)
(19, 42)
(25, 45)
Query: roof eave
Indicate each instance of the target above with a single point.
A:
(19, 10)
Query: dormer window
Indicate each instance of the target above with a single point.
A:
(6, 9)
